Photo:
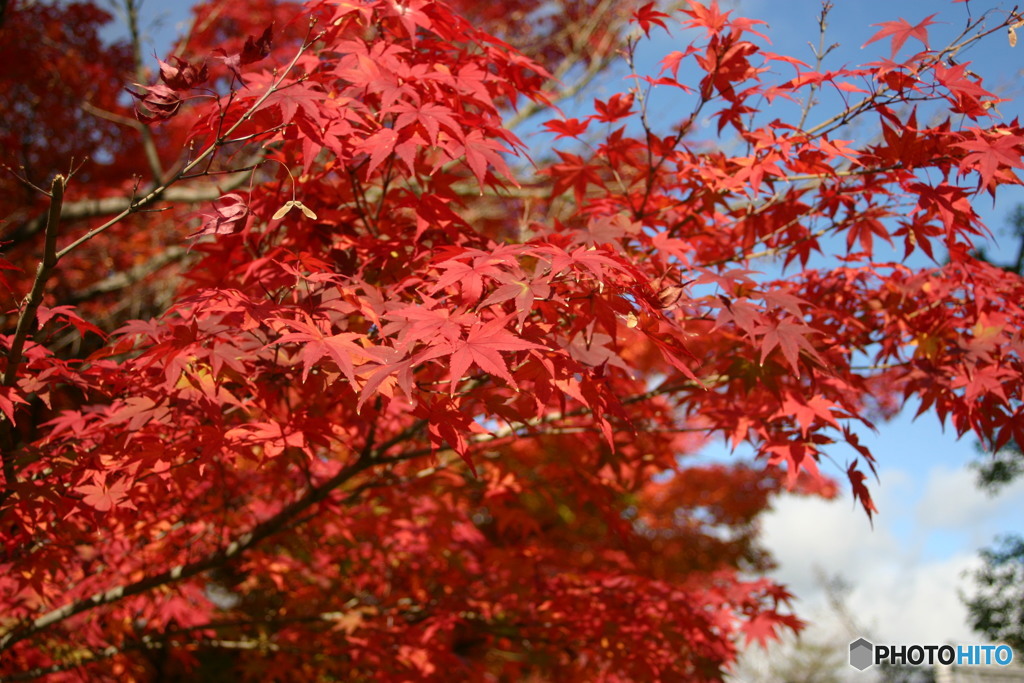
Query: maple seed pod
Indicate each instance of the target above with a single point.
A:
(292, 203)
(1011, 32)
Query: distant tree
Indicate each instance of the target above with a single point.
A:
(997, 605)
(996, 470)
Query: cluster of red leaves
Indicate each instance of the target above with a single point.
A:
(387, 431)
(68, 71)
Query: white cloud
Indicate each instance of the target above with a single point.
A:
(808, 533)
(915, 603)
(951, 501)
(905, 576)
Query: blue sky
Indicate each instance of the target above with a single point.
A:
(932, 518)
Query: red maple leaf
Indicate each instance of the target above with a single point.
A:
(860, 491)
(428, 323)
(989, 153)
(806, 412)
(303, 96)
(255, 48)
(341, 348)
(481, 348)
(431, 116)
(104, 497)
(647, 16)
(761, 629)
(615, 108)
(791, 338)
(573, 173)
(470, 276)
(380, 145)
(568, 128)
(183, 76)
(9, 396)
(901, 30)
(479, 151)
(156, 103)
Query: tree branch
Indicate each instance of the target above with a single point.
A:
(159, 191)
(258, 533)
(127, 278)
(597, 61)
(131, 11)
(91, 208)
(27, 318)
(146, 643)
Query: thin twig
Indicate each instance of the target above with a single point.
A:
(158, 192)
(819, 56)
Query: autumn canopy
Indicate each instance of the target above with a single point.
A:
(312, 369)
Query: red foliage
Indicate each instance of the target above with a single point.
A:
(306, 376)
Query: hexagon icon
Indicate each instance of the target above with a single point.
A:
(861, 654)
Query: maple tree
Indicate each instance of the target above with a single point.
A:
(313, 370)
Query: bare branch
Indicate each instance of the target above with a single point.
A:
(90, 208)
(581, 36)
(819, 56)
(125, 279)
(131, 11)
(90, 108)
